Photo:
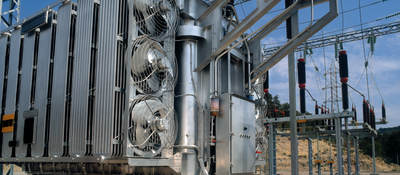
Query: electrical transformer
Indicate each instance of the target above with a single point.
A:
(133, 87)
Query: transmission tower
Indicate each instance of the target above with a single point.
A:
(9, 12)
(331, 89)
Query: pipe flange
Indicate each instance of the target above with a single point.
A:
(190, 31)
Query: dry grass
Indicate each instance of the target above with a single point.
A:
(283, 157)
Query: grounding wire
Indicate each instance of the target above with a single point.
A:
(363, 46)
(375, 84)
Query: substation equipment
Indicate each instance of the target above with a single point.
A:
(142, 86)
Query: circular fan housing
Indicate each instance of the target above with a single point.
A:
(156, 18)
(150, 68)
(152, 127)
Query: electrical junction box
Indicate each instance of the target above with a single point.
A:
(235, 135)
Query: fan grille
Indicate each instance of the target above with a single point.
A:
(156, 18)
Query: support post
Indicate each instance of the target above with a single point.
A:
(357, 168)
(348, 149)
(271, 149)
(338, 122)
(274, 149)
(373, 155)
(310, 156)
(292, 28)
(318, 155)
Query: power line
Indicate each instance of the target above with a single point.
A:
(356, 35)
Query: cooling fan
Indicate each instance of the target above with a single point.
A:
(152, 72)
(152, 128)
(156, 18)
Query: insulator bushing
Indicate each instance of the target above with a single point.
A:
(371, 117)
(334, 124)
(343, 65)
(266, 83)
(383, 112)
(316, 109)
(303, 101)
(354, 109)
(365, 111)
(344, 77)
(301, 70)
(345, 96)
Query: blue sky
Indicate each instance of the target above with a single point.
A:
(384, 64)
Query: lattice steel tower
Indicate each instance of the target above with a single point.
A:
(10, 12)
(331, 89)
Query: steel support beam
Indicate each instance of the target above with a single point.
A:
(263, 6)
(357, 163)
(339, 144)
(292, 27)
(1, 7)
(373, 155)
(216, 4)
(271, 150)
(274, 153)
(276, 21)
(318, 154)
(291, 45)
(345, 114)
(348, 142)
(310, 156)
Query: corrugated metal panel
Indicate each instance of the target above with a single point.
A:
(107, 120)
(103, 120)
(80, 92)
(42, 81)
(3, 47)
(60, 80)
(12, 86)
(25, 95)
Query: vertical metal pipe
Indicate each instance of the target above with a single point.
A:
(338, 122)
(1, 12)
(293, 120)
(229, 74)
(310, 156)
(373, 154)
(186, 106)
(274, 150)
(348, 148)
(357, 168)
(318, 155)
(271, 149)
(292, 29)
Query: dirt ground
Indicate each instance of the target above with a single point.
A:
(327, 152)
